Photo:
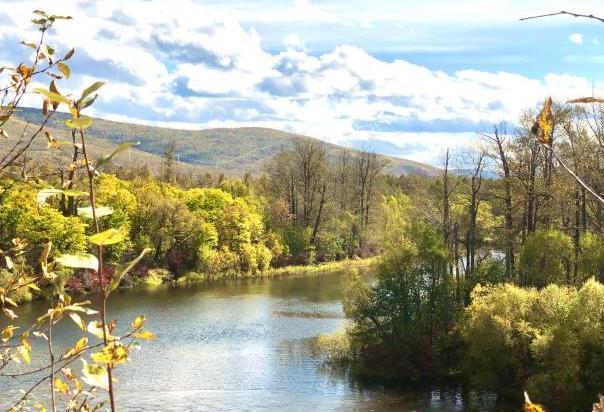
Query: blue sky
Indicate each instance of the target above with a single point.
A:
(407, 78)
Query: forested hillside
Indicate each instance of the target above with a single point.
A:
(230, 151)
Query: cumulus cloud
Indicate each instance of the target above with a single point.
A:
(576, 38)
(203, 68)
(293, 41)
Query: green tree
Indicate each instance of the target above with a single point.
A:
(545, 257)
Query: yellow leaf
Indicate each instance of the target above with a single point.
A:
(99, 211)
(79, 123)
(95, 375)
(68, 373)
(24, 351)
(3, 133)
(83, 261)
(55, 98)
(61, 386)
(108, 237)
(531, 407)
(10, 301)
(53, 142)
(111, 354)
(39, 407)
(144, 335)
(78, 320)
(96, 329)
(78, 347)
(7, 332)
(63, 68)
(138, 322)
(544, 124)
(39, 334)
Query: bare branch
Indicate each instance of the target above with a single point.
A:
(568, 13)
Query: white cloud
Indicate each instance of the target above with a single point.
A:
(175, 62)
(576, 38)
(293, 41)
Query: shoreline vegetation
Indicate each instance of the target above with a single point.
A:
(160, 277)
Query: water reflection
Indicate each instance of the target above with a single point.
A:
(246, 346)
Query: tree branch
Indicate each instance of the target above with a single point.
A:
(568, 13)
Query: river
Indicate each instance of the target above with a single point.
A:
(245, 346)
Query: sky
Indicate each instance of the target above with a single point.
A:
(405, 78)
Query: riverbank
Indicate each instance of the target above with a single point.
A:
(294, 270)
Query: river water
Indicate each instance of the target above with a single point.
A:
(245, 346)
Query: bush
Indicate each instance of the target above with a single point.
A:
(335, 349)
(219, 263)
(549, 341)
(249, 264)
(263, 257)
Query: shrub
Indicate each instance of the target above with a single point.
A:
(549, 341)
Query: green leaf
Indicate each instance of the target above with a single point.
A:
(63, 68)
(87, 102)
(44, 194)
(108, 237)
(83, 261)
(122, 147)
(121, 270)
(79, 123)
(99, 210)
(53, 97)
(88, 91)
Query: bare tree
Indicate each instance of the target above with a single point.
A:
(497, 148)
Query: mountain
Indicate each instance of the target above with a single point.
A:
(232, 151)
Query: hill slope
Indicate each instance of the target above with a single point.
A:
(231, 151)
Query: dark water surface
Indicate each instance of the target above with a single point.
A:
(245, 346)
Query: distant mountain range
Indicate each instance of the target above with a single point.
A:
(232, 151)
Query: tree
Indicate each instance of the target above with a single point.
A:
(498, 150)
(400, 321)
(43, 227)
(545, 257)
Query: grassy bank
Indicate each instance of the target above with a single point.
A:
(321, 268)
(294, 270)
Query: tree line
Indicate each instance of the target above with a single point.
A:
(491, 273)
